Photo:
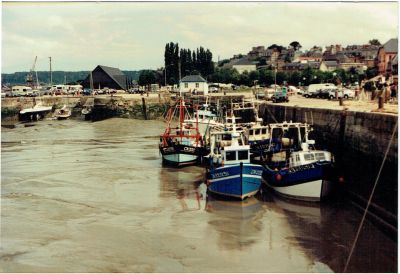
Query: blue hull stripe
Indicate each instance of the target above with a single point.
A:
(231, 181)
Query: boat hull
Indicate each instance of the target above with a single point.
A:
(237, 181)
(63, 117)
(181, 155)
(178, 159)
(311, 182)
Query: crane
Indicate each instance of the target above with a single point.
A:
(29, 77)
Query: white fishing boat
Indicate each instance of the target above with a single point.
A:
(293, 167)
(206, 117)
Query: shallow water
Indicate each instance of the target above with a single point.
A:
(93, 197)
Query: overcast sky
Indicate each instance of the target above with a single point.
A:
(132, 36)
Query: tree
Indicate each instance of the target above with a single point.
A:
(275, 46)
(371, 72)
(295, 45)
(374, 42)
(147, 77)
(254, 77)
(266, 77)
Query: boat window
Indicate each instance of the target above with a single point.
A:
(250, 132)
(230, 155)
(320, 156)
(227, 137)
(309, 157)
(264, 131)
(297, 158)
(243, 155)
(257, 131)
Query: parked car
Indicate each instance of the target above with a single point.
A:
(345, 93)
(260, 94)
(213, 89)
(322, 93)
(280, 96)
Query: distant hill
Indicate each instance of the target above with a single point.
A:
(59, 77)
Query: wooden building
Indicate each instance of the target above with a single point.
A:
(106, 77)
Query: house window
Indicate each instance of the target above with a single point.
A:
(186, 85)
(197, 85)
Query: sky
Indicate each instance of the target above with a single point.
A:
(132, 35)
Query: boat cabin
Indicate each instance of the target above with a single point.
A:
(233, 155)
(308, 157)
(258, 133)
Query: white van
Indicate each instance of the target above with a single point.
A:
(21, 91)
(313, 88)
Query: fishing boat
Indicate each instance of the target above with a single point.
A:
(37, 112)
(182, 144)
(62, 113)
(254, 130)
(206, 117)
(230, 172)
(293, 168)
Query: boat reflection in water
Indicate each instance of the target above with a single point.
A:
(238, 223)
(326, 233)
(185, 184)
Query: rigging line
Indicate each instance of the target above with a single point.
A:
(370, 198)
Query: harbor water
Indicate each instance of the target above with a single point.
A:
(79, 196)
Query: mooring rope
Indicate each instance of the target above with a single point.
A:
(370, 199)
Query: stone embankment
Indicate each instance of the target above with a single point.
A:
(359, 141)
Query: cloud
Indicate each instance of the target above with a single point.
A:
(133, 35)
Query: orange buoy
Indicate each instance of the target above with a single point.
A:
(341, 179)
(278, 177)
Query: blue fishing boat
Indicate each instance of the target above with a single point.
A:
(297, 170)
(230, 172)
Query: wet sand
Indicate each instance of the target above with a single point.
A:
(93, 197)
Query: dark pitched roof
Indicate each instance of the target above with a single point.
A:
(242, 61)
(193, 78)
(331, 63)
(391, 45)
(116, 74)
(342, 58)
(314, 65)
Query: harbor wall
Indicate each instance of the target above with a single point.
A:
(359, 141)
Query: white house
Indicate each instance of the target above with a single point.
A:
(194, 84)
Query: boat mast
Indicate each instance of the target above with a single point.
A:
(181, 117)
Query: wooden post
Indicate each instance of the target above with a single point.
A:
(341, 101)
(380, 102)
(144, 108)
